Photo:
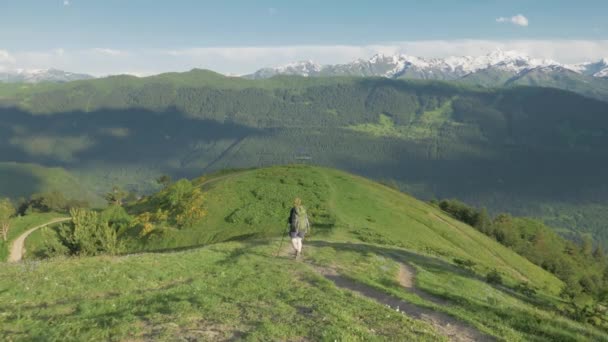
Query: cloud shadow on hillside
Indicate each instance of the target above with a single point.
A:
(167, 139)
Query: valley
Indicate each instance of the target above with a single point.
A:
(529, 151)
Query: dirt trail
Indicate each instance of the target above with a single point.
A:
(452, 328)
(17, 247)
(406, 278)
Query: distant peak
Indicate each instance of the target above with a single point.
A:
(445, 68)
(503, 54)
(21, 75)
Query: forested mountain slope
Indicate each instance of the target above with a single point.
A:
(535, 151)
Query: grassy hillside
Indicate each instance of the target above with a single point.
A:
(20, 180)
(241, 290)
(20, 225)
(255, 204)
(363, 233)
(209, 294)
(531, 151)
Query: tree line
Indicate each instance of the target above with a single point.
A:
(582, 265)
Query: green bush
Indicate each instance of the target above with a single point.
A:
(86, 234)
(494, 277)
(465, 263)
(526, 289)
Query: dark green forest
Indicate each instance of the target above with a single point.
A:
(529, 151)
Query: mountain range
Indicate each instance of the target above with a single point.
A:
(449, 68)
(496, 69)
(40, 75)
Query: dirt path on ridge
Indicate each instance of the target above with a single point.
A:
(451, 327)
(17, 247)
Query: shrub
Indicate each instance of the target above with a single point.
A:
(494, 277)
(87, 234)
(465, 263)
(526, 289)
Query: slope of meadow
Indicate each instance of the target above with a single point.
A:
(231, 276)
(255, 204)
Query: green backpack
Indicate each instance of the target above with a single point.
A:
(301, 220)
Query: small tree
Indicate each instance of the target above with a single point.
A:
(88, 234)
(483, 222)
(7, 210)
(180, 204)
(184, 203)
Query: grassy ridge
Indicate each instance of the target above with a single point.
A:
(220, 292)
(240, 289)
(343, 207)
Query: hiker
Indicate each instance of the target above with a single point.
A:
(298, 225)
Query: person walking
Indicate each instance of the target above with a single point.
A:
(298, 226)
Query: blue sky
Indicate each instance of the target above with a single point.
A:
(147, 36)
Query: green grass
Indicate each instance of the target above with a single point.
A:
(343, 207)
(495, 310)
(239, 289)
(384, 128)
(21, 224)
(424, 126)
(224, 291)
(35, 242)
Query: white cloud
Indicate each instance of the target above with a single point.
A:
(6, 58)
(66, 2)
(246, 59)
(109, 52)
(518, 20)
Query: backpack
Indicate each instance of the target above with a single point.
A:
(300, 220)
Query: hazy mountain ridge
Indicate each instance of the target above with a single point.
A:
(41, 75)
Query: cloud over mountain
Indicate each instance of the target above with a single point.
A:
(519, 20)
(241, 60)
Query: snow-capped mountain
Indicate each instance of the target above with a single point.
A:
(450, 68)
(595, 69)
(40, 75)
(303, 68)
